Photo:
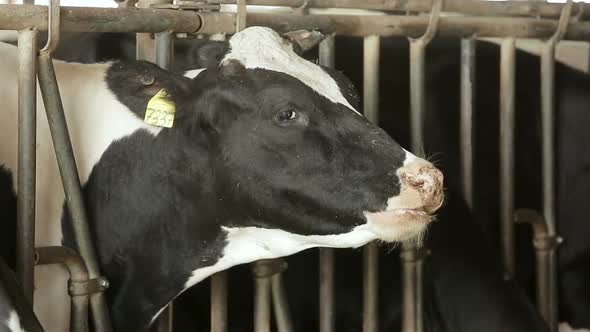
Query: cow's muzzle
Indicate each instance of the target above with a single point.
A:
(423, 184)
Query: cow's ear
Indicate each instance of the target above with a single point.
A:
(231, 68)
(206, 53)
(304, 40)
(135, 83)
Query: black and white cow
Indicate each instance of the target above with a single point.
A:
(267, 156)
(464, 286)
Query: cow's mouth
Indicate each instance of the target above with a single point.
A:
(402, 216)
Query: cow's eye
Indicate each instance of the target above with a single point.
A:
(287, 115)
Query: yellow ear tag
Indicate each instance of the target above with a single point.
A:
(160, 111)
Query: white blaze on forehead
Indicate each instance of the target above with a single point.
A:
(263, 48)
(13, 322)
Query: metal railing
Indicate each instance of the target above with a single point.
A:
(514, 20)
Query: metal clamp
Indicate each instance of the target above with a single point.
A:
(53, 27)
(265, 268)
(541, 238)
(432, 23)
(87, 287)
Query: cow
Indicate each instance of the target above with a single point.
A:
(474, 290)
(464, 284)
(457, 272)
(262, 156)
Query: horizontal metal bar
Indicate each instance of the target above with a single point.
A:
(19, 17)
(505, 8)
(396, 25)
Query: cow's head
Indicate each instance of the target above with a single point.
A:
(290, 153)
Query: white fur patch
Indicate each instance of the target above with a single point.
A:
(13, 322)
(410, 158)
(565, 327)
(260, 47)
(249, 244)
(193, 73)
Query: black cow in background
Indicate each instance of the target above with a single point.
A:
(442, 141)
(464, 290)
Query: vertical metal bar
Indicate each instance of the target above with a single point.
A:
(371, 78)
(546, 265)
(412, 253)
(412, 311)
(326, 268)
(144, 42)
(241, 15)
(371, 48)
(507, 85)
(144, 47)
(71, 182)
(412, 262)
(547, 297)
(164, 49)
(280, 304)
(219, 302)
(262, 298)
(27, 161)
(164, 322)
(326, 293)
(159, 50)
(327, 55)
(417, 95)
(79, 314)
(467, 104)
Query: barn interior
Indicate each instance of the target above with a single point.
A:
(494, 94)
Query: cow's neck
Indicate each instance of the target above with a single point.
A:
(156, 219)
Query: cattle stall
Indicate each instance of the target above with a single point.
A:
(158, 23)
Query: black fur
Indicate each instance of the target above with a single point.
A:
(157, 204)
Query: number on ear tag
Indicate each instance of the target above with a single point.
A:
(160, 110)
